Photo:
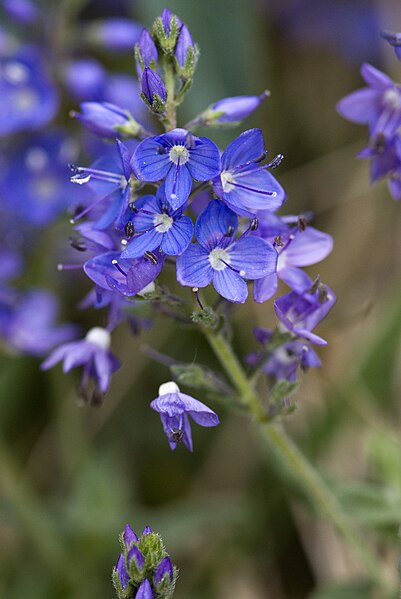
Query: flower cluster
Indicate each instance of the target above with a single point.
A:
(379, 107)
(174, 200)
(144, 569)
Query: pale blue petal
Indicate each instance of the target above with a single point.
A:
(178, 185)
(265, 288)
(141, 243)
(308, 247)
(253, 257)
(204, 160)
(248, 146)
(176, 240)
(230, 285)
(193, 267)
(214, 223)
(151, 161)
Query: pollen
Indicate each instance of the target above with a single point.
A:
(163, 222)
(179, 155)
(219, 259)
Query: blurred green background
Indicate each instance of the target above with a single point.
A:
(71, 477)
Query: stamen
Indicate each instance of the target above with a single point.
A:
(302, 223)
(133, 208)
(129, 229)
(176, 435)
(195, 290)
(229, 232)
(315, 285)
(239, 167)
(254, 224)
(78, 244)
(189, 141)
(277, 160)
(265, 193)
(118, 267)
(68, 266)
(151, 257)
(278, 241)
(83, 175)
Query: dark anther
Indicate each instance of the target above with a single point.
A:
(161, 150)
(302, 222)
(278, 241)
(129, 229)
(315, 285)
(177, 435)
(73, 168)
(96, 399)
(277, 160)
(290, 353)
(151, 257)
(165, 209)
(133, 208)
(379, 143)
(77, 244)
(229, 231)
(322, 294)
(77, 211)
(254, 224)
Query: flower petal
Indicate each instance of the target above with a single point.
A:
(375, 78)
(147, 241)
(199, 412)
(204, 160)
(151, 161)
(265, 288)
(178, 185)
(362, 106)
(230, 285)
(253, 257)
(176, 240)
(214, 223)
(308, 247)
(248, 146)
(257, 191)
(194, 268)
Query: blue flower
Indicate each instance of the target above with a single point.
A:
(221, 259)
(299, 312)
(159, 226)
(178, 157)
(115, 34)
(231, 110)
(29, 98)
(94, 356)
(174, 408)
(394, 39)
(154, 90)
(243, 184)
(102, 118)
(378, 105)
(295, 247)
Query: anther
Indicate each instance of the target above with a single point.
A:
(151, 257)
(277, 160)
(133, 208)
(189, 141)
(278, 241)
(177, 435)
(254, 224)
(322, 294)
(78, 244)
(302, 223)
(315, 285)
(229, 232)
(129, 229)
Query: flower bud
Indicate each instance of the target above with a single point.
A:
(165, 30)
(154, 92)
(231, 110)
(145, 591)
(145, 52)
(186, 54)
(101, 118)
(115, 34)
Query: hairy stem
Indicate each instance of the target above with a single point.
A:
(294, 461)
(170, 120)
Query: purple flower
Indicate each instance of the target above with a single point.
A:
(23, 11)
(158, 226)
(129, 277)
(243, 184)
(178, 157)
(174, 408)
(295, 248)
(282, 362)
(394, 39)
(35, 183)
(165, 568)
(135, 555)
(153, 89)
(91, 353)
(102, 118)
(109, 177)
(122, 571)
(300, 312)
(85, 79)
(29, 98)
(166, 18)
(114, 34)
(147, 55)
(378, 105)
(30, 324)
(184, 45)
(145, 591)
(221, 259)
(232, 110)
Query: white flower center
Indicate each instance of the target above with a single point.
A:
(16, 73)
(25, 100)
(37, 159)
(217, 257)
(227, 180)
(163, 222)
(167, 388)
(391, 98)
(100, 337)
(179, 155)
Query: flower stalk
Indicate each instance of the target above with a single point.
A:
(293, 461)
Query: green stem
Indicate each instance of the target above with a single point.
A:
(293, 460)
(170, 121)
